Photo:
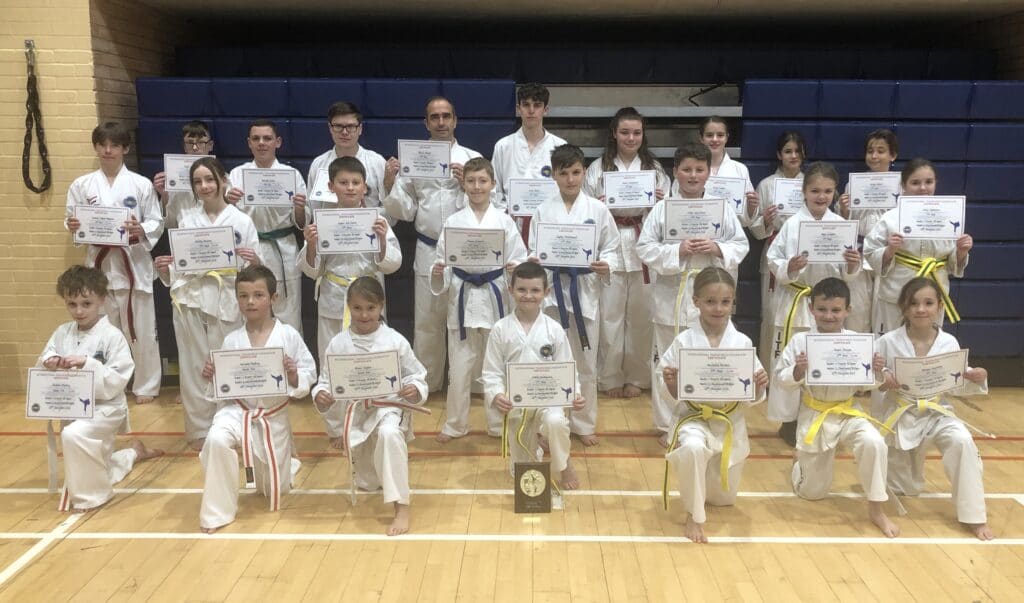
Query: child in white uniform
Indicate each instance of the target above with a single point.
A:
(129, 269)
(476, 295)
(828, 416)
(259, 426)
(677, 263)
(378, 430)
(624, 356)
(195, 140)
(714, 134)
(205, 310)
(529, 335)
(709, 440)
(91, 343)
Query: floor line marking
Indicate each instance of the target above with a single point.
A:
(45, 540)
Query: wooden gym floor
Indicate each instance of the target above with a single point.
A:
(612, 542)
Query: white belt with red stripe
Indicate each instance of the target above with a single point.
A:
(260, 416)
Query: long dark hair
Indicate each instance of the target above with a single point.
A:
(611, 149)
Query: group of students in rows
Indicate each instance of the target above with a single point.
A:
(621, 320)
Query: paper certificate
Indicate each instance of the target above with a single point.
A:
(874, 190)
(346, 230)
(425, 158)
(363, 376)
(202, 249)
(733, 190)
(274, 187)
(102, 225)
(176, 168)
(525, 194)
(824, 242)
(930, 375)
(567, 245)
(789, 195)
(62, 395)
(630, 189)
(539, 384)
(693, 219)
(318, 190)
(931, 217)
(473, 247)
(716, 374)
(840, 359)
(252, 373)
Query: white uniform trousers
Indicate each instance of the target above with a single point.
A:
(326, 329)
(778, 345)
(548, 422)
(765, 344)
(862, 290)
(289, 307)
(813, 471)
(960, 460)
(197, 333)
(699, 477)
(583, 422)
(465, 364)
(429, 330)
(624, 352)
(91, 467)
(662, 404)
(382, 461)
(146, 348)
(219, 458)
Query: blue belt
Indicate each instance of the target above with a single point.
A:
(426, 239)
(477, 280)
(574, 296)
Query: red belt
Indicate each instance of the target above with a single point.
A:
(637, 222)
(250, 416)
(104, 250)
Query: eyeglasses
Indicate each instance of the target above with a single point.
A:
(197, 144)
(346, 128)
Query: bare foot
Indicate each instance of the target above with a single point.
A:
(981, 531)
(589, 440)
(144, 399)
(570, 481)
(196, 444)
(543, 443)
(338, 443)
(443, 438)
(177, 399)
(694, 531)
(631, 391)
(400, 525)
(210, 530)
(880, 519)
(663, 440)
(615, 392)
(144, 454)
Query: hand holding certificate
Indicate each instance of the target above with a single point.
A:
(928, 376)
(733, 190)
(540, 384)
(716, 375)
(271, 187)
(840, 359)
(474, 247)
(252, 373)
(824, 242)
(630, 189)
(346, 230)
(61, 395)
(177, 169)
(203, 249)
(931, 217)
(789, 195)
(102, 225)
(525, 194)
(693, 219)
(567, 245)
(874, 190)
(425, 158)
(364, 376)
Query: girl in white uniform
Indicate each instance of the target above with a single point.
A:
(205, 310)
(897, 260)
(677, 263)
(623, 358)
(477, 297)
(90, 342)
(709, 440)
(377, 430)
(259, 426)
(917, 424)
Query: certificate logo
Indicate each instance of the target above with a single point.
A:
(517, 398)
(172, 182)
(546, 171)
(672, 232)
(816, 374)
(225, 388)
(805, 253)
(515, 207)
(405, 170)
(907, 230)
(543, 256)
(339, 389)
(130, 202)
(856, 201)
(688, 389)
(35, 407)
(182, 263)
(453, 258)
(81, 234)
(547, 351)
(250, 197)
(781, 206)
(325, 244)
(611, 200)
(905, 387)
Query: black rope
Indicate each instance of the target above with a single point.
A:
(34, 116)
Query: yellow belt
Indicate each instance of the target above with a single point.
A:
(683, 279)
(841, 407)
(218, 275)
(802, 291)
(927, 267)
(705, 413)
(928, 404)
(341, 281)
